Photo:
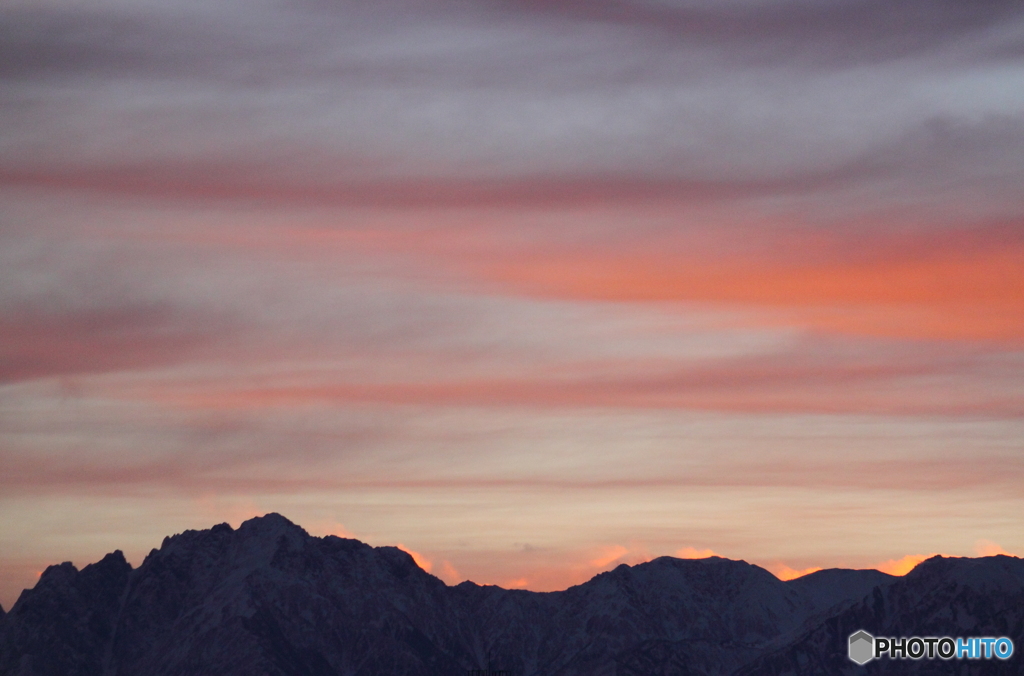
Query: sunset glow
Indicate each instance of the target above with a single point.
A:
(536, 289)
(786, 573)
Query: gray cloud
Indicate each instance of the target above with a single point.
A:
(321, 97)
(815, 34)
(447, 42)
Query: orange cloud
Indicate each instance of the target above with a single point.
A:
(965, 284)
(328, 527)
(609, 555)
(904, 565)
(785, 573)
(554, 570)
(691, 553)
(969, 287)
(449, 574)
(421, 561)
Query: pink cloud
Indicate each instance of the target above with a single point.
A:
(777, 382)
(34, 345)
(989, 548)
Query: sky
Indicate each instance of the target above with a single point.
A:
(529, 288)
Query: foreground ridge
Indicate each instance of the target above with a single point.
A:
(270, 599)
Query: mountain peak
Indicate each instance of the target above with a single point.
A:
(989, 572)
(58, 573)
(269, 522)
(113, 559)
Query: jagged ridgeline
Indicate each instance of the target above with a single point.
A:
(269, 599)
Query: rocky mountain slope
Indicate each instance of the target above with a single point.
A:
(269, 599)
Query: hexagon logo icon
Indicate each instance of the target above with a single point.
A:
(862, 647)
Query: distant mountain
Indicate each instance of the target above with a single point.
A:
(940, 597)
(268, 599)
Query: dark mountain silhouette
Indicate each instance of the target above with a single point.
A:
(940, 597)
(268, 599)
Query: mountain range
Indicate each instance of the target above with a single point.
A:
(267, 599)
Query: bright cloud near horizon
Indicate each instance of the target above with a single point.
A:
(531, 289)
